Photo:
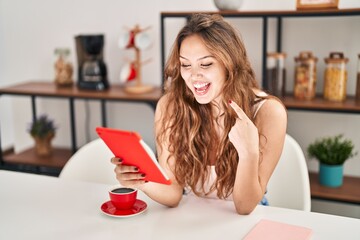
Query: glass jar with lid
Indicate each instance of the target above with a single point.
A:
(335, 77)
(305, 76)
(276, 74)
(63, 68)
(357, 96)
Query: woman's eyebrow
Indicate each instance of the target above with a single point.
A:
(208, 56)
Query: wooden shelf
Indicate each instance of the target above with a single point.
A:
(285, 13)
(350, 105)
(58, 158)
(349, 192)
(49, 89)
(116, 92)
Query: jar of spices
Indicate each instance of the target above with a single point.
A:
(63, 68)
(335, 77)
(305, 76)
(357, 96)
(276, 74)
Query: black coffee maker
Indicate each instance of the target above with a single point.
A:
(92, 72)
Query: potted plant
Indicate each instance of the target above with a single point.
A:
(42, 129)
(331, 152)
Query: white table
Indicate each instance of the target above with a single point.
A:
(42, 207)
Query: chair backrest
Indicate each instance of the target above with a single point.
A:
(91, 163)
(289, 186)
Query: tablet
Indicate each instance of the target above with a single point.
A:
(133, 151)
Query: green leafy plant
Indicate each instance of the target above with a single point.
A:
(42, 127)
(332, 150)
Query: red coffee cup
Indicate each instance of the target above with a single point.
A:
(127, 40)
(128, 73)
(123, 197)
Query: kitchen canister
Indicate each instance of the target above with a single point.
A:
(305, 76)
(357, 95)
(335, 77)
(276, 74)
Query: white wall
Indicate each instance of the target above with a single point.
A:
(31, 30)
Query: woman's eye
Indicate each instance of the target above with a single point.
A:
(206, 65)
(185, 65)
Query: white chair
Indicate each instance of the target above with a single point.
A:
(91, 163)
(289, 186)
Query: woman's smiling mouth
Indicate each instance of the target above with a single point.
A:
(201, 88)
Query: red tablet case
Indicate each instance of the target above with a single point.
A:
(133, 151)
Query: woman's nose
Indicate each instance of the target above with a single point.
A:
(196, 75)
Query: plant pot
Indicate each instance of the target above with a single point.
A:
(43, 146)
(331, 175)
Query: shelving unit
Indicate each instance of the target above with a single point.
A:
(48, 89)
(318, 104)
(57, 159)
(350, 190)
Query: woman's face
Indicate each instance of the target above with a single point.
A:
(203, 74)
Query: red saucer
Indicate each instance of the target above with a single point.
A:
(109, 209)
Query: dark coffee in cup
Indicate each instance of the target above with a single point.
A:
(123, 190)
(123, 197)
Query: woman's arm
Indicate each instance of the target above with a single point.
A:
(259, 146)
(169, 195)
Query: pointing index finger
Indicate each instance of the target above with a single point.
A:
(237, 109)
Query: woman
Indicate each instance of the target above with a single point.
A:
(217, 134)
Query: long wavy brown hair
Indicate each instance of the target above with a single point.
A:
(189, 127)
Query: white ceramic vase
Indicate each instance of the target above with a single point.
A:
(228, 4)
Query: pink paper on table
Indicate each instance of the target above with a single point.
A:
(272, 230)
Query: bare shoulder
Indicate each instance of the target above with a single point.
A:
(272, 112)
(161, 106)
(273, 106)
(164, 99)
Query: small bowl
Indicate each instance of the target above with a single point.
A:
(228, 4)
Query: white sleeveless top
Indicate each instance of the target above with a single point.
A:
(212, 173)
